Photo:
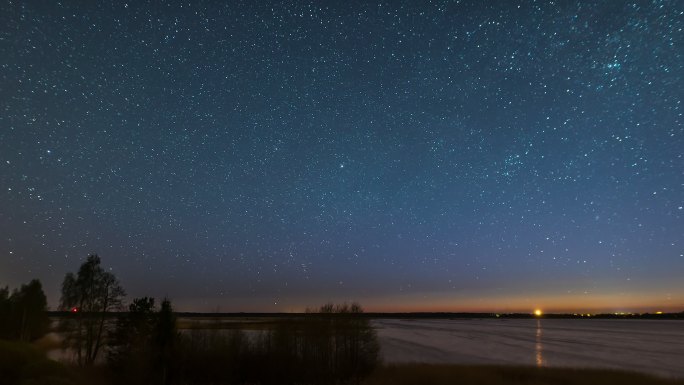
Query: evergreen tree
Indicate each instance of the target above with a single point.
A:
(166, 337)
(23, 314)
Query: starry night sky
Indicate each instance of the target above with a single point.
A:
(268, 156)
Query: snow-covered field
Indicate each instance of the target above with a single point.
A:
(649, 346)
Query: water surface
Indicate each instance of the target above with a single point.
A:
(649, 346)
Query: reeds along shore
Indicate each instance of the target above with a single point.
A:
(333, 344)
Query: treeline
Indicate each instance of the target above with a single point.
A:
(332, 344)
(23, 312)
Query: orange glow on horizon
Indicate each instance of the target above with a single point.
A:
(551, 303)
(464, 302)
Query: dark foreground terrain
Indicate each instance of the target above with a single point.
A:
(26, 364)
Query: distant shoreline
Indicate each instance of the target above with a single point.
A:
(422, 315)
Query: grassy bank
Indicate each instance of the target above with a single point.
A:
(22, 363)
(443, 374)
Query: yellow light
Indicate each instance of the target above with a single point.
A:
(659, 312)
(538, 312)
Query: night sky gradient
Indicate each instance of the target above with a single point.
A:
(269, 156)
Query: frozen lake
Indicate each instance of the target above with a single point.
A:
(649, 346)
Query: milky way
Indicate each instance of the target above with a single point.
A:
(408, 155)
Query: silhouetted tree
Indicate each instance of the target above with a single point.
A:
(4, 312)
(90, 295)
(132, 335)
(165, 340)
(30, 306)
(130, 349)
(23, 315)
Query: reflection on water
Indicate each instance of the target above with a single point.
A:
(538, 347)
(651, 346)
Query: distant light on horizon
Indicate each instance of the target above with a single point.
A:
(538, 312)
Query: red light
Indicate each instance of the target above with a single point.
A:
(74, 310)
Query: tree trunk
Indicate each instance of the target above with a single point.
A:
(98, 339)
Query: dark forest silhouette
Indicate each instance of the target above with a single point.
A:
(333, 344)
(23, 313)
